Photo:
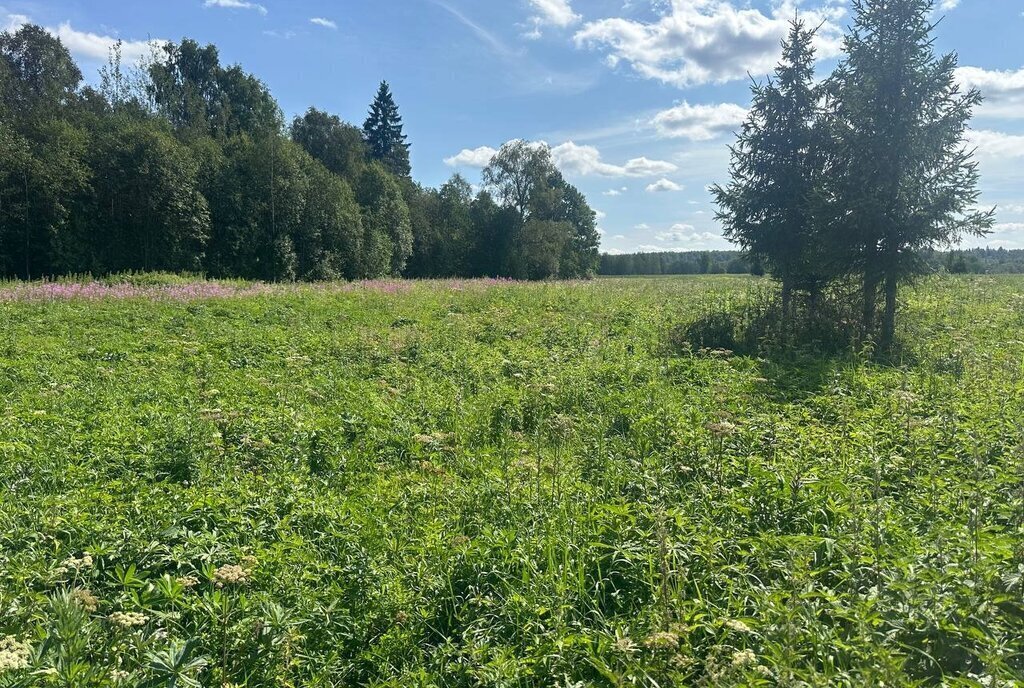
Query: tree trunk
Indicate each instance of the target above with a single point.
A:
(870, 300)
(889, 320)
(787, 301)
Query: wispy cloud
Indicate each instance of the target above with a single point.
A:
(236, 5)
(326, 23)
(495, 43)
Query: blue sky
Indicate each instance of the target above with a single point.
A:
(638, 98)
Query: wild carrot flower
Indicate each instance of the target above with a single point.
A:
(742, 658)
(14, 655)
(722, 428)
(738, 626)
(128, 619)
(662, 640)
(188, 581)
(84, 597)
(230, 574)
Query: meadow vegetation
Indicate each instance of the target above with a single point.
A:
(482, 483)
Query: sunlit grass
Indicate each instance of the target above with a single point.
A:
(480, 483)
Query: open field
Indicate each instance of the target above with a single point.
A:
(498, 484)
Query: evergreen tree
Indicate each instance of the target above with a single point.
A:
(901, 179)
(775, 164)
(383, 133)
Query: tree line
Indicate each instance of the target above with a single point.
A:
(975, 261)
(857, 177)
(181, 163)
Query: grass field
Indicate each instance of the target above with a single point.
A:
(496, 484)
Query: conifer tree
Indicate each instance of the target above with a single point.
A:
(901, 180)
(765, 207)
(383, 133)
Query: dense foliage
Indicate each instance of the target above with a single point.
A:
(184, 164)
(487, 484)
(856, 177)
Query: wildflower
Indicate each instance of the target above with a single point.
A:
(250, 562)
(662, 640)
(460, 541)
(738, 626)
(14, 655)
(120, 676)
(682, 661)
(128, 619)
(742, 658)
(625, 645)
(84, 597)
(73, 563)
(763, 671)
(188, 581)
(722, 429)
(401, 617)
(230, 574)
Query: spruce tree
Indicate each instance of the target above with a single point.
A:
(901, 180)
(765, 207)
(383, 133)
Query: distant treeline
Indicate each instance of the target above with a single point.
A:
(678, 263)
(184, 164)
(978, 261)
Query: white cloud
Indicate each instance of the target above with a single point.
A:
(1005, 227)
(1014, 208)
(664, 185)
(574, 159)
(995, 144)
(586, 161)
(1003, 90)
(704, 41)
(685, 234)
(86, 45)
(476, 157)
(13, 22)
(555, 12)
(326, 23)
(615, 251)
(643, 226)
(947, 5)
(615, 192)
(619, 236)
(236, 5)
(600, 214)
(699, 122)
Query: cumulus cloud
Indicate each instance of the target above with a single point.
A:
(699, 122)
(326, 23)
(1005, 227)
(586, 161)
(86, 45)
(663, 186)
(615, 192)
(996, 144)
(475, 157)
(236, 5)
(681, 233)
(708, 41)
(573, 159)
(1003, 90)
(556, 13)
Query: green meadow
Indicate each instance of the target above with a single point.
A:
(468, 483)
